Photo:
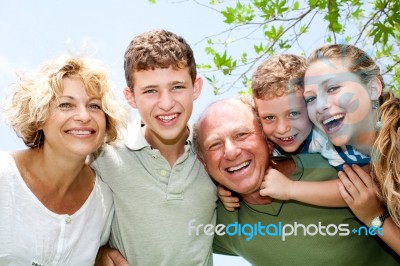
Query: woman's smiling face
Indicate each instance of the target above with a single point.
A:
(337, 101)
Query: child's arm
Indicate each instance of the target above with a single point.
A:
(322, 193)
(359, 191)
(230, 202)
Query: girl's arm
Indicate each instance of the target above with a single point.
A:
(359, 191)
(319, 193)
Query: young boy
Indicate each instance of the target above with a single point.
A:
(159, 185)
(277, 88)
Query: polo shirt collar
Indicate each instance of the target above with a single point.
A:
(135, 140)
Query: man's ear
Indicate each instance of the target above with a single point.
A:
(130, 97)
(197, 87)
(375, 89)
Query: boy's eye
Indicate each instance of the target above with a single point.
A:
(178, 87)
(149, 91)
(269, 117)
(294, 114)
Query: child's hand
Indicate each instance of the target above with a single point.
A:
(276, 185)
(225, 195)
(359, 191)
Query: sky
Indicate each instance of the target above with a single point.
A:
(33, 32)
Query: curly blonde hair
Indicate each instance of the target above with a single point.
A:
(158, 49)
(386, 155)
(385, 162)
(278, 76)
(28, 106)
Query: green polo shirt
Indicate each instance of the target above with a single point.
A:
(155, 203)
(293, 233)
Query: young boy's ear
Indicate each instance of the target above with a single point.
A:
(375, 89)
(197, 86)
(130, 97)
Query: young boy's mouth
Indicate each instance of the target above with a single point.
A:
(167, 118)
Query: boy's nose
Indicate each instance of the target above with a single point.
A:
(166, 101)
(283, 127)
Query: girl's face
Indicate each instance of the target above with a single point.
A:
(338, 103)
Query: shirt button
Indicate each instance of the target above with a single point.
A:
(68, 219)
(163, 172)
(154, 156)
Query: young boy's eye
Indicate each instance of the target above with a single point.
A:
(178, 87)
(269, 117)
(149, 91)
(294, 114)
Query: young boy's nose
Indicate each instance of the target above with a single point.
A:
(166, 101)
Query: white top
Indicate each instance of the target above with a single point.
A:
(31, 234)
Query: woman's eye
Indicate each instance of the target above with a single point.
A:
(64, 105)
(95, 106)
(333, 88)
(310, 99)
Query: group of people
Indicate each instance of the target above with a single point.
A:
(301, 167)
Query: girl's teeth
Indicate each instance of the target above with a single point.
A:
(333, 118)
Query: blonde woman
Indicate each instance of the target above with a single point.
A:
(54, 209)
(345, 97)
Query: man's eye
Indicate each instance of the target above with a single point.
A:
(178, 87)
(214, 146)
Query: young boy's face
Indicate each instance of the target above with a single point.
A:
(285, 120)
(164, 99)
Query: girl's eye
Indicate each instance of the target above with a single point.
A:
(294, 114)
(310, 99)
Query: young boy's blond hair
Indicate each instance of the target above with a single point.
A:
(278, 76)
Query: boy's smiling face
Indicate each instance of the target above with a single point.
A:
(164, 98)
(285, 120)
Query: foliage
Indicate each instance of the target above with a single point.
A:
(257, 29)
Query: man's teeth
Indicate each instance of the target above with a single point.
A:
(235, 168)
(167, 117)
(79, 132)
(333, 118)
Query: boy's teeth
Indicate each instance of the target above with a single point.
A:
(167, 117)
(232, 169)
(79, 132)
(333, 118)
(288, 138)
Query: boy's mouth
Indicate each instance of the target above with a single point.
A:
(167, 118)
(288, 140)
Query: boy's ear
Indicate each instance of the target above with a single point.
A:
(130, 97)
(375, 89)
(197, 86)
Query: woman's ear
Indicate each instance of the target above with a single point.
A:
(375, 89)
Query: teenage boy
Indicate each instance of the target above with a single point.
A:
(158, 184)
